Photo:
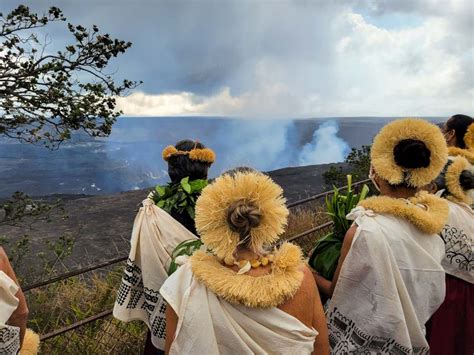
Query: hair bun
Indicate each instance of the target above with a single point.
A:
(412, 154)
(242, 217)
(466, 180)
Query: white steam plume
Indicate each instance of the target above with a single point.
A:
(325, 147)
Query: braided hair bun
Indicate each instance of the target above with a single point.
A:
(412, 154)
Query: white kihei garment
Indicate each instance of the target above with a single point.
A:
(9, 335)
(154, 237)
(207, 324)
(458, 236)
(390, 284)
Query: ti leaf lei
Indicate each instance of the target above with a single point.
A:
(179, 197)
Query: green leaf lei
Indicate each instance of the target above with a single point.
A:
(180, 196)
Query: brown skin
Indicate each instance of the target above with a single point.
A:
(327, 287)
(305, 299)
(20, 315)
(450, 136)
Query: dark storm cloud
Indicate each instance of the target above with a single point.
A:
(202, 46)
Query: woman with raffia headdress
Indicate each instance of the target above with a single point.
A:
(450, 329)
(389, 280)
(238, 297)
(156, 233)
(459, 134)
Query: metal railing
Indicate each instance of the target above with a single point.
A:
(103, 320)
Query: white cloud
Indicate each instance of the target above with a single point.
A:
(361, 69)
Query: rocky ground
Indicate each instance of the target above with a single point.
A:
(101, 225)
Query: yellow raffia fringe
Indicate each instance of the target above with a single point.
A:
(468, 154)
(205, 155)
(215, 200)
(452, 180)
(30, 343)
(430, 219)
(469, 137)
(383, 160)
(252, 291)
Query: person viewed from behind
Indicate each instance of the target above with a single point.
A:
(451, 327)
(389, 279)
(459, 134)
(13, 313)
(189, 160)
(239, 297)
(165, 220)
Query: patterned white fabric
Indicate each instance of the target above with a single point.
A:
(154, 237)
(458, 236)
(9, 336)
(210, 325)
(390, 284)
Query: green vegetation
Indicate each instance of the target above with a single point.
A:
(69, 301)
(358, 162)
(46, 95)
(327, 250)
(179, 197)
(186, 248)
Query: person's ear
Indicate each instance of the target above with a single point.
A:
(449, 135)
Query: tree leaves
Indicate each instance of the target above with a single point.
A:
(56, 93)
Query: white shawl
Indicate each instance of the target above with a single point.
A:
(210, 325)
(458, 236)
(390, 284)
(9, 336)
(154, 237)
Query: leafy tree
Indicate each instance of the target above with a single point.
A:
(358, 165)
(44, 95)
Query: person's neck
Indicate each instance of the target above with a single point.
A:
(399, 193)
(245, 253)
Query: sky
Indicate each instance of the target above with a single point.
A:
(285, 59)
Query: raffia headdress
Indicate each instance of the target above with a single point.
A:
(213, 205)
(204, 155)
(382, 151)
(453, 181)
(469, 137)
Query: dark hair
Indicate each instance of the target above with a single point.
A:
(412, 154)
(180, 166)
(242, 216)
(460, 124)
(440, 181)
(466, 179)
(240, 169)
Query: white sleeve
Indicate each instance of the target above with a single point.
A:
(176, 288)
(8, 300)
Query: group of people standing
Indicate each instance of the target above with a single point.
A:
(403, 284)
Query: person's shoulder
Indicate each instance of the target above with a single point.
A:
(308, 284)
(3, 256)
